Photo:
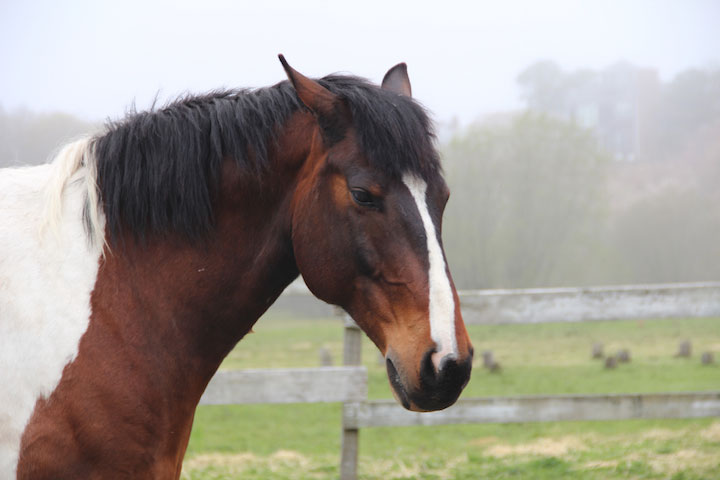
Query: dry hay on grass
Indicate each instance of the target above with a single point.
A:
(294, 465)
(289, 464)
(301, 346)
(389, 469)
(237, 463)
(288, 458)
(667, 463)
(601, 464)
(711, 433)
(663, 434)
(484, 441)
(683, 459)
(549, 447)
(688, 458)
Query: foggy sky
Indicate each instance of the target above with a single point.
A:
(92, 59)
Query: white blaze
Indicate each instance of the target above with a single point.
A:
(441, 302)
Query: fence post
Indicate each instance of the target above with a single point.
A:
(351, 356)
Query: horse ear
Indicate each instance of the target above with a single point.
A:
(316, 97)
(332, 113)
(396, 80)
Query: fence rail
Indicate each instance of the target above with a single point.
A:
(287, 385)
(546, 408)
(538, 305)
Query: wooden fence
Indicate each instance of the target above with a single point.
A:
(348, 384)
(538, 305)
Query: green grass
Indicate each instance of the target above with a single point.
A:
(303, 441)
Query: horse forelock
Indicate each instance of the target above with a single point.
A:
(394, 131)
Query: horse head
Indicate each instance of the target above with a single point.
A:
(366, 233)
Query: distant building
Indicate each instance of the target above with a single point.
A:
(617, 103)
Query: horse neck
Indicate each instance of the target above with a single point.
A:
(194, 302)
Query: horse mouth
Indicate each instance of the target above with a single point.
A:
(398, 389)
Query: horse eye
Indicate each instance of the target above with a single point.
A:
(362, 197)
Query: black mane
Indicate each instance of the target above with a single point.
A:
(158, 171)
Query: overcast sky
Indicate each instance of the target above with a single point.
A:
(93, 58)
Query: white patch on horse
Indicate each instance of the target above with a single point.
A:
(441, 300)
(48, 269)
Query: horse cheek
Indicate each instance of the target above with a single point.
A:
(320, 243)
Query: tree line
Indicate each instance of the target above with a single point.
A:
(544, 197)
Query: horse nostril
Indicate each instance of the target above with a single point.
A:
(427, 365)
(440, 387)
(446, 370)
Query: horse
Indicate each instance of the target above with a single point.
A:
(135, 261)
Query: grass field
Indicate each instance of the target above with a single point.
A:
(303, 441)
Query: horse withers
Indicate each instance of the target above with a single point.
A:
(132, 265)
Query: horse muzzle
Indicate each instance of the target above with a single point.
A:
(435, 388)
